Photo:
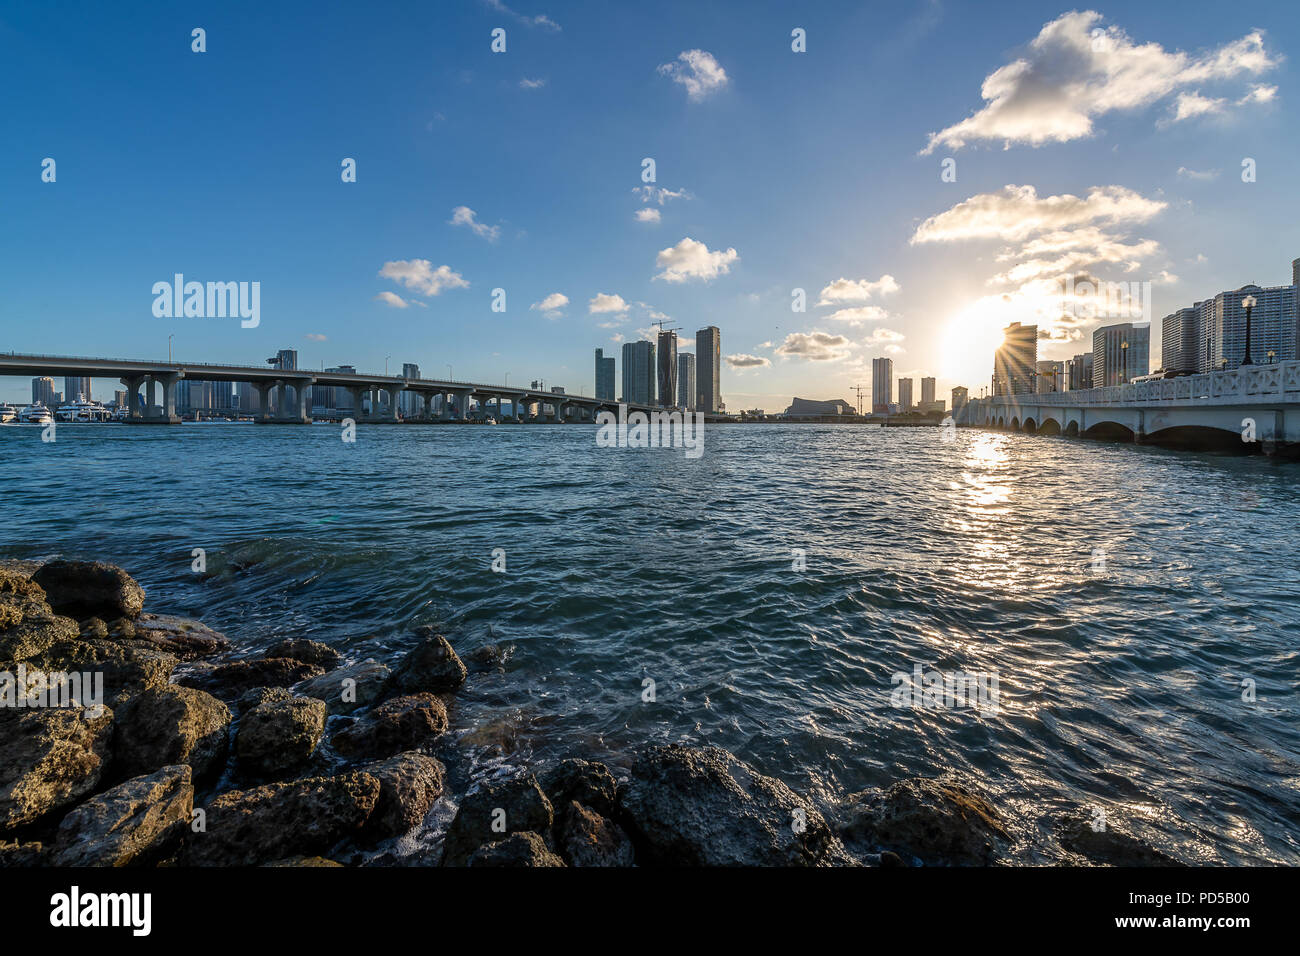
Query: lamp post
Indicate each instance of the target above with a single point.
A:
(1271, 355)
(1123, 352)
(386, 358)
(1248, 303)
(450, 375)
(169, 347)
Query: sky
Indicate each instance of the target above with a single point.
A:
(923, 172)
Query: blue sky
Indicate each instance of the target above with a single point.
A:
(794, 170)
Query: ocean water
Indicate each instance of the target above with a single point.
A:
(1127, 599)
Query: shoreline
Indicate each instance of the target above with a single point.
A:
(206, 753)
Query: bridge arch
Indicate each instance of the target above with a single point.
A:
(1110, 431)
(1029, 426)
(1203, 438)
(1050, 426)
(1015, 424)
(1002, 422)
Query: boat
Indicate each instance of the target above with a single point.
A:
(8, 414)
(36, 414)
(82, 411)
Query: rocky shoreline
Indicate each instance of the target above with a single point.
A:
(195, 754)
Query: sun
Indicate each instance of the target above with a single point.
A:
(969, 341)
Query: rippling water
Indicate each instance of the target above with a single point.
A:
(1120, 672)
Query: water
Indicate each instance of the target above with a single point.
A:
(1120, 686)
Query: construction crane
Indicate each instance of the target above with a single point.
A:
(673, 328)
(858, 389)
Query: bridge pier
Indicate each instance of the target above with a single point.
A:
(133, 384)
(166, 412)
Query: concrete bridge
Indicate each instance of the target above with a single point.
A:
(292, 389)
(1216, 410)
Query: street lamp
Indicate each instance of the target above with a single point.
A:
(1123, 351)
(1271, 355)
(169, 347)
(1248, 303)
(386, 358)
(450, 374)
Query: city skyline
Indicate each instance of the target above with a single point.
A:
(892, 258)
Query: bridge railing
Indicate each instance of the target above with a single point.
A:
(1280, 380)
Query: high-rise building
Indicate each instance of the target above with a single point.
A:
(927, 391)
(639, 372)
(1179, 341)
(1078, 372)
(285, 359)
(1273, 323)
(882, 385)
(410, 403)
(960, 395)
(1014, 363)
(247, 399)
(604, 376)
(708, 365)
(686, 383)
(43, 391)
(905, 394)
(667, 368)
(1120, 353)
(1052, 377)
(77, 389)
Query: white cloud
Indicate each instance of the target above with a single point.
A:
(860, 313)
(1259, 94)
(393, 299)
(1192, 105)
(647, 215)
(1075, 71)
(552, 305)
(856, 290)
(1197, 175)
(420, 276)
(690, 259)
(527, 84)
(540, 20)
(1017, 212)
(742, 360)
(698, 71)
(464, 216)
(315, 337)
(660, 194)
(815, 346)
(602, 302)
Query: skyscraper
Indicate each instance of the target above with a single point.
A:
(1013, 363)
(1179, 341)
(76, 389)
(1272, 325)
(43, 391)
(927, 391)
(686, 384)
(638, 372)
(1120, 353)
(959, 397)
(905, 394)
(882, 385)
(604, 375)
(1051, 377)
(1078, 372)
(708, 365)
(667, 362)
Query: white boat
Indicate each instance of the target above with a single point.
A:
(8, 414)
(82, 411)
(36, 414)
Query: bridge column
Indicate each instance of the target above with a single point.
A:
(133, 384)
(521, 409)
(426, 406)
(393, 392)
(302, 405)
(264, 400)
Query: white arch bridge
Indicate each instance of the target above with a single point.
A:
(1251, 408)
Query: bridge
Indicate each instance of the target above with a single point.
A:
(292, 388)
(1255, 404)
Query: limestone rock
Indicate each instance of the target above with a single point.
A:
(518, 849)
(48, 760)
(403, 723)
(279, 735)
(515, 805)
(348, 688)
(133, 822)
(171, 725)
(430, 666)
(938, 820)
(83, 589)
(409, 784)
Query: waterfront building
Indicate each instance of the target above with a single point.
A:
(708, 365)
(667, 368)
(1078, 372)
(43, 393)
(960, 395)
(410, 403)
(604, 375)
(927, 390)
(931, 408)
(1180, 341)
(1051, 377)
(247, 400)
(808, 406)
(77, 389)
(1014, 362)
(905, 394)
(882, 385)
(638, 372)
(1273, 324)
(686, 383)
(1120, 353)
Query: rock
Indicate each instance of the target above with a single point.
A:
(346, 689)
(48, 760)
(489, 657)
(430, 666)
(228, 681)
(403, 723)
(309, 652)
(687, 806)
(13, 853)
(279, 735)
(262, 695)
(93, 628)
(1113, 844)
(90, 589)
(129, 667)
(519, 849)
(517, 805)
(31, 636)
(588, 839)
(304, 861)
(182, 637)
(585, 781)
(281, 820)
(135, 822)
(938, 820)
(171, 725)
(409, 783)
